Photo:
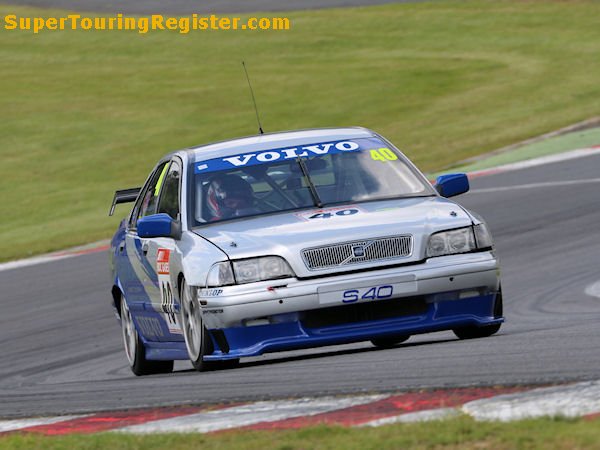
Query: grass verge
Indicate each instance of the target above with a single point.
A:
(558, 144)
(459, 433)
(85, 113)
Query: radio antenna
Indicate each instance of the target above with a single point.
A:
(253, 99)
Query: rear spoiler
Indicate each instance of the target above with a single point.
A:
(124, 196)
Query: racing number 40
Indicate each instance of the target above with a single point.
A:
(374, 293)
(167, 301)
(383, 154)
(340, 213)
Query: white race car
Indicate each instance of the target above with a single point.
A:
(294, 240)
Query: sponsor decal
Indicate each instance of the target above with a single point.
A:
(268, 156)
(211, 292)
(329, 213)
(167, 299)
(162, 261)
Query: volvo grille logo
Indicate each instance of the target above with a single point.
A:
(358, 251)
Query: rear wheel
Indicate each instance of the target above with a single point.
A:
(389, 342)
(486, 331)
(197, 339)
(135, 350)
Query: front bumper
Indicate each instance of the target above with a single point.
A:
(442, 293)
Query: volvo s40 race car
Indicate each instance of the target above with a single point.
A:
(295, 240)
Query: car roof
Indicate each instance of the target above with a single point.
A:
(275, 140)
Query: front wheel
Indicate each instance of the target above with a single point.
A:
(135, 350)
(486, 331)
(197, 339)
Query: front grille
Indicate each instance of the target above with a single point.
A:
(363, 312)
(354, 252)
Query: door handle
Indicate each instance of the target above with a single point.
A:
(121, 247)
(145, 248)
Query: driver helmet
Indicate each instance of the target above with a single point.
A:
(227, 195)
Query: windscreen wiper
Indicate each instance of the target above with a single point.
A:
(311, 186)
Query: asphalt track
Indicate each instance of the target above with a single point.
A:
(196, 6)
(62, 348)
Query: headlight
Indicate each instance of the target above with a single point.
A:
(220, 274)
(483, 236)
(461, 240)
(450, 242)
(261, 269)
(248, 271)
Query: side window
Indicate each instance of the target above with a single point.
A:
(146, 204)
(169, 197)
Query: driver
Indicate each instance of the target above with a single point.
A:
(229, 196)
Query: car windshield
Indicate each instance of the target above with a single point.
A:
(284, 179)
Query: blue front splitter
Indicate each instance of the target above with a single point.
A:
(442, 315)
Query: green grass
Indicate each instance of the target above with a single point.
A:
(460, 433)
(85, 113)
(558, 144)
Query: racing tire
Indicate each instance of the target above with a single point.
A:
(389, 342)
(485, 331)
(197, 339)
(135, 349)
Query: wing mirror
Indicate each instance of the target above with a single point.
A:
(452, 184)
(159, 225)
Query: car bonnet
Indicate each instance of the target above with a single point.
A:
(287, 234)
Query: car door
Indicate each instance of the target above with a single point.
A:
(162, 254)
(138, 277)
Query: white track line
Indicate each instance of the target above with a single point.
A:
(593, 290)
(55, 256)
(17, 424)
(420, 416)
(540, 161)
(31, 262)
(567, 401)
(241, 416)
(536, 185)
